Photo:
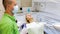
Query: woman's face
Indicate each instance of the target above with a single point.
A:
(28, 16)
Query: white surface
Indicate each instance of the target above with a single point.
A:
(1, 9)
(57, 26)
(35, 28)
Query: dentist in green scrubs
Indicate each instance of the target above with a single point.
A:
(8, 23)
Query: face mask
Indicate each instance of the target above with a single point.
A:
(15, 9)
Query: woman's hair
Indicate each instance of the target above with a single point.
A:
(29, 20)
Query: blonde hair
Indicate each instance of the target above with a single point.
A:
(30, 19)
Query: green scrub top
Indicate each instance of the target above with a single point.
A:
(8, 25)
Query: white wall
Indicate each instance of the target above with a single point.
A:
(50, 8)
(1, 9)
(53, 8)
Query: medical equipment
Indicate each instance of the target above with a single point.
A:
(28, 10)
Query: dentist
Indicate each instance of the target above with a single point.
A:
(8, 23)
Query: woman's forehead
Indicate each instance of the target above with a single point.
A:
(28, 15)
